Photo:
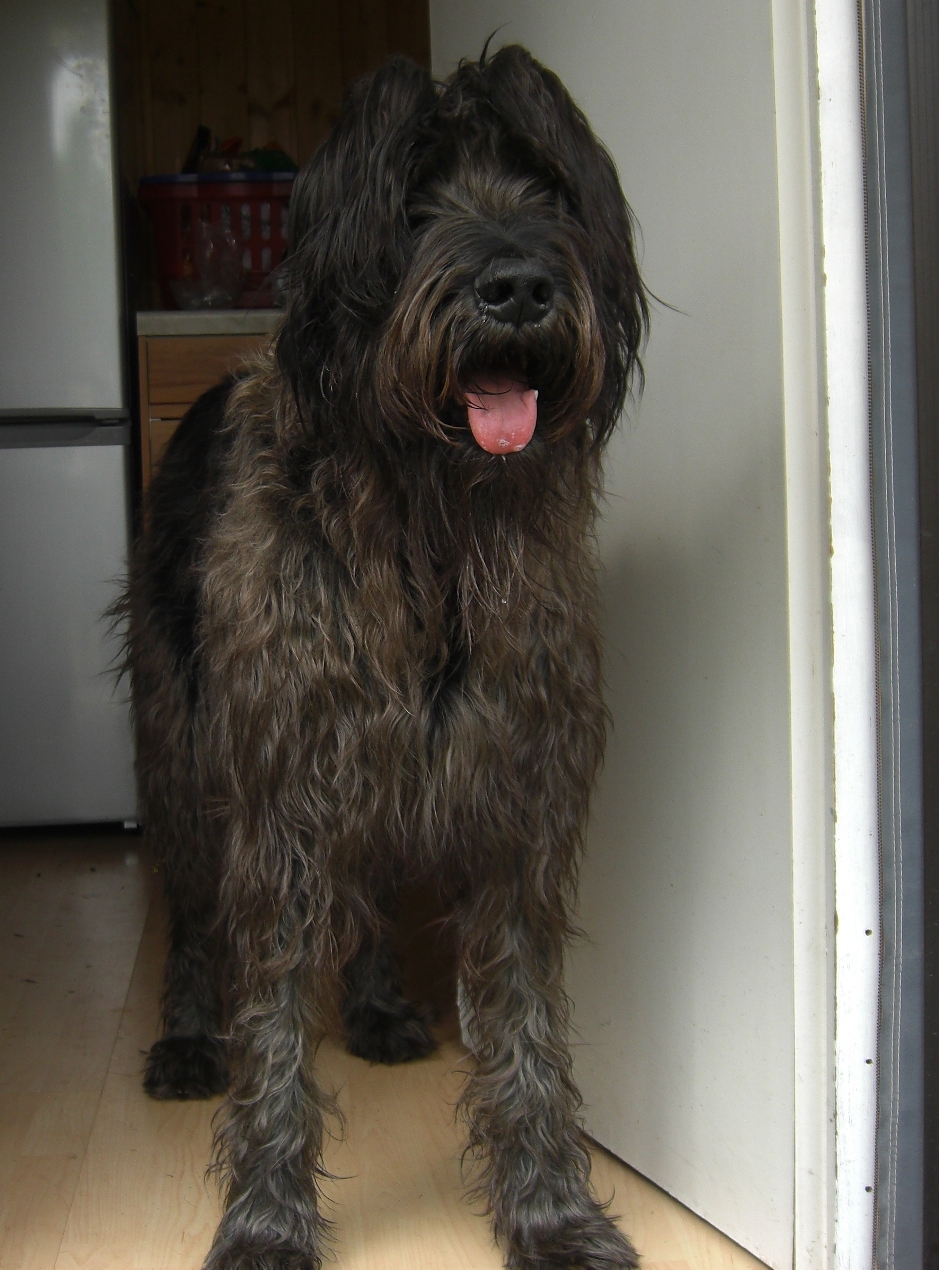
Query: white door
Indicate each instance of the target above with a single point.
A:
(704, 993)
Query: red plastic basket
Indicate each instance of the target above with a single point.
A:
(253, 205)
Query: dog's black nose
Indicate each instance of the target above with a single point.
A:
(515, 291)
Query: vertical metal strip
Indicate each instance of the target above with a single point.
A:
(923, 50)
(896, 534)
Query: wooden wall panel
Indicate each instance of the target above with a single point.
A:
(221, 53)
(409, 29)
(131, 92)
(171, 48)
(375, 42)
(272, 114)
(319, 72)
(352, 40)
(264, 70)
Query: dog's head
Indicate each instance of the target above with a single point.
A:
(462, 268)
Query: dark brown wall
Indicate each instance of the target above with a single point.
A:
(263, 70)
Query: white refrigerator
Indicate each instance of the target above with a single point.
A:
(66, 750)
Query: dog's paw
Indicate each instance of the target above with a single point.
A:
(186, 1067)
(383, 1035)
(249, 1256)
(592, 1244)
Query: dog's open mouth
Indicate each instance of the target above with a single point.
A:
(502, 411)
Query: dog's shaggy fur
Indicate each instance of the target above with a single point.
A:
(363, 647)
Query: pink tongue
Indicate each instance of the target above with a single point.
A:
(502, 413)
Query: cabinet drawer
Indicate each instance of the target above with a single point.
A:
(181, 367)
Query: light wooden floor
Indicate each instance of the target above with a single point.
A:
(95, 1176)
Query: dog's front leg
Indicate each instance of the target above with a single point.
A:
(269, 1144)
(521, 1101)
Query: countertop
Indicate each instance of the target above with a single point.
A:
(209, 321)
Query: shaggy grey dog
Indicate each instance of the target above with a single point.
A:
(363, 645)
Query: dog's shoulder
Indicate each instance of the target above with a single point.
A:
(186, 460)
(236, 414)
(255, 398)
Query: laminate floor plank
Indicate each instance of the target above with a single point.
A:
(142, 1202)
(667, 1235)
(104, 1178)
(70, 923)
(397, 1199)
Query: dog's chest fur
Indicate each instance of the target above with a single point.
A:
(384, 682)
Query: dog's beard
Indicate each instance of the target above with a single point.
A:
(447, 371)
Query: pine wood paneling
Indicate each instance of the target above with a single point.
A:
(130, 92)
(409, 30)
(272, 113)
(174, 80)
(375, 44)
(263, 70)
(223, 77)
(319, 73)
(354, 62)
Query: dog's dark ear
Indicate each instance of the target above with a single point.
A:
(539, 114)
(348, 221)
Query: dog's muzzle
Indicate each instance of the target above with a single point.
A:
(515, 291)
(502, 407)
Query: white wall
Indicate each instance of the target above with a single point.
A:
(684, 992)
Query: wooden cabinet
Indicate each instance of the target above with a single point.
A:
(175, 369)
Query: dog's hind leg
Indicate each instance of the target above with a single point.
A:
(190, 1060)
(381, 1024)
(521, 1102)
